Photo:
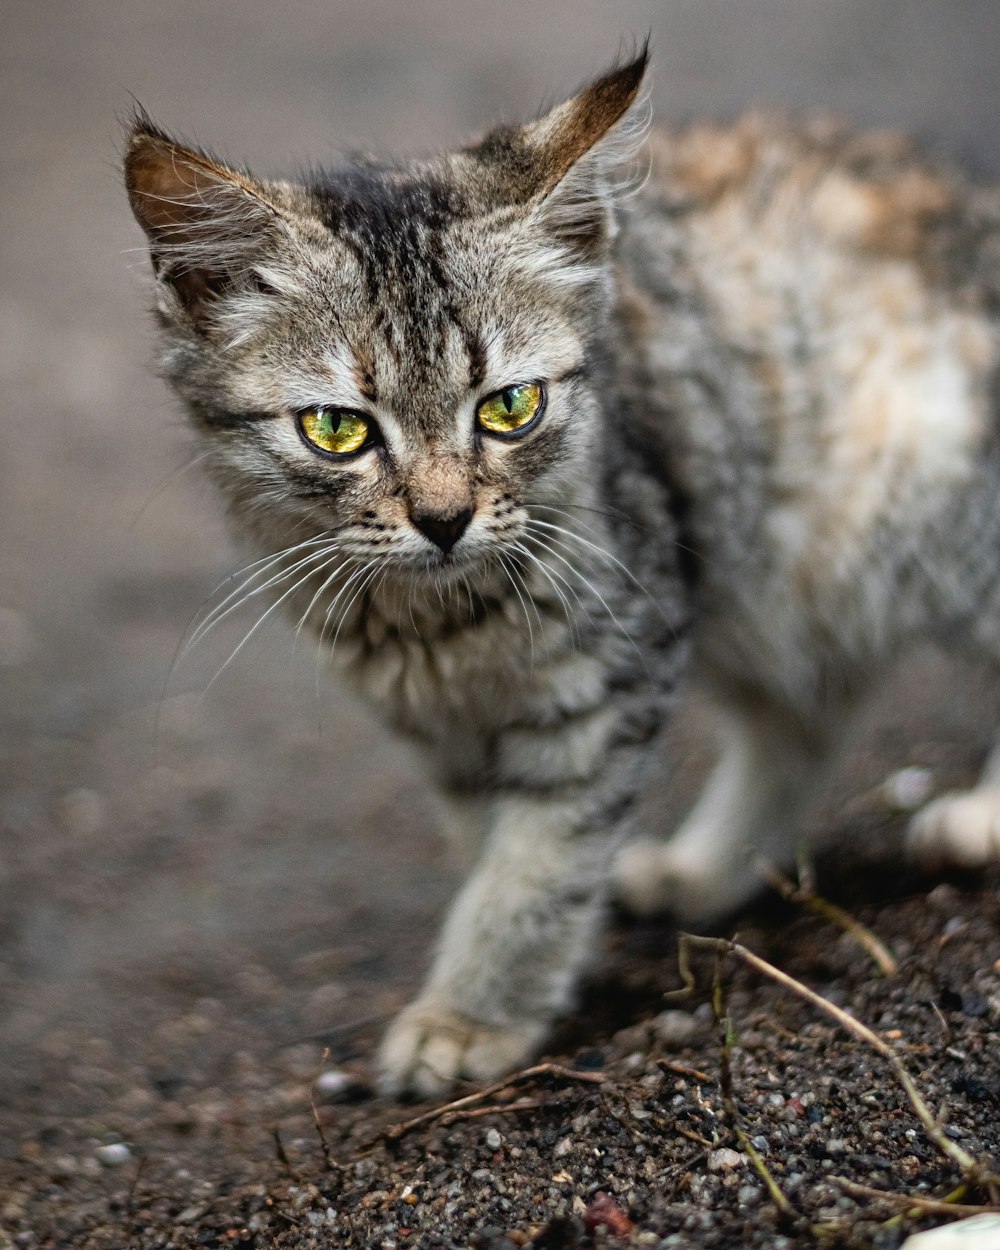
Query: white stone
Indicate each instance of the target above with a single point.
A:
(980, 1232)
(111, 1156)
(724, 1160)
(908, 788)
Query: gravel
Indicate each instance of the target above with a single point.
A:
(629, 1138)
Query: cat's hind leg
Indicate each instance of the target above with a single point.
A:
(768, 766)
(963, 827)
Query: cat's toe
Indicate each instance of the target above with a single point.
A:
(656, 878)
(428, 1048)
(643, 880)
(960, 828)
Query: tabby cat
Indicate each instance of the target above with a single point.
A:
(524, 442)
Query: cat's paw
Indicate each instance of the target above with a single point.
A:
(654, 878)
(961, 829)
(428, 1048)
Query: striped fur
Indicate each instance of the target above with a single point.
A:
(767, 456)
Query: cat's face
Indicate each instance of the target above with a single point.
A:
(399, 358)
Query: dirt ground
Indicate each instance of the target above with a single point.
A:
(214, 891)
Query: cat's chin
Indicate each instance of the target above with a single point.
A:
(448, 569)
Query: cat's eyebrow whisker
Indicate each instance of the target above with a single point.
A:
(169, 480)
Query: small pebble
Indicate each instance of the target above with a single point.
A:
(493, 1139)
(335, 1085)
(676, 1027)
(111, 1156)
(908, 788)
(834, 1146)
(724, 1160)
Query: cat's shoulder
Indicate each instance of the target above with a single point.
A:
(877, 191)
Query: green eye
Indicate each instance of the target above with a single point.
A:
(511, 409)
(334, 430)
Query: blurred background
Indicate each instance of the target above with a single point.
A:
(260, 846)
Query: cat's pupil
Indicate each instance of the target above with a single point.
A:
(334, 419)
(507, 396)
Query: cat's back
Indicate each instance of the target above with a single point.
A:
(849, 291)
(858, 282)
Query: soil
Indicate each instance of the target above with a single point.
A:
(218, 880)
(200, 1130)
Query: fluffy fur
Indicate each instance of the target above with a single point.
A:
(767, 457)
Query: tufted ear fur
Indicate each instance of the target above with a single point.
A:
(563, 165)
(205, 222)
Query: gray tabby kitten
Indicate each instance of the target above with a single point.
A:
(521, 455)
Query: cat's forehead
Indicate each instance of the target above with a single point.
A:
(421, 289)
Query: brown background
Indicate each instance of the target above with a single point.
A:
(155, 839)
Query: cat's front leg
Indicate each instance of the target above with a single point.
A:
(963, 827)
(510, 952)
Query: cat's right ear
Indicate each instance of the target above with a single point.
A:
(204, 221)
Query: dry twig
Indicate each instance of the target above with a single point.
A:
(916, 1202)
(805, 894)
(971, 1168)
(683, 1069)
(395, 1131)
(331, 1163)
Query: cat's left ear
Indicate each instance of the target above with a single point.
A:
(565, 165)
(206, 223)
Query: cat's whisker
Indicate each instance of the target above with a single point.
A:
(527, 619)
(551, 576)
(296, 585)
(260, 568)
(535, 522)
(322, 652)
(597, 594)
(242, 595)
(338, 569)
(608, 556)
(331, 607)
(364, 583)
(615, 514)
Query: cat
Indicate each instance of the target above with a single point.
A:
(525, 447)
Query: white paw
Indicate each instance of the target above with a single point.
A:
(960, 829)
(428, 1048)
(653, 877)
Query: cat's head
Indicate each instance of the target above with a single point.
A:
(398, 355)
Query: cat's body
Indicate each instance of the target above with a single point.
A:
(749, 434)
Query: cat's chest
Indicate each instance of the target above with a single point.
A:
(461, 676)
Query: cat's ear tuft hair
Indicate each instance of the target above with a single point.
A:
(205, 221)
(571, 130)
(566, 166)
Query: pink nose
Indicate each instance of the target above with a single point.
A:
(444, 530)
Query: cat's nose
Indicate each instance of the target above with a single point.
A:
(443, 529)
